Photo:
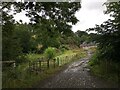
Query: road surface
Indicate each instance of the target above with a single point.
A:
(76, 75)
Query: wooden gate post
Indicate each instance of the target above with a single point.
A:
(36, 67)
(48, 63)
(40, 64)
(29, 67)
(58, 61)
(54, 62)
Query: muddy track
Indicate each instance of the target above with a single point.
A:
(77, 75)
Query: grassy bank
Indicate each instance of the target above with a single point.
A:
(105, 69)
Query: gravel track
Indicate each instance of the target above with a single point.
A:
(77, 75)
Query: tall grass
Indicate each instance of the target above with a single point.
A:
(20, 77)
(106, 69)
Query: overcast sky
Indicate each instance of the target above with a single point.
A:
(90, 13)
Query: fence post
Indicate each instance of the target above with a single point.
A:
(58, 61)
(54, 62)
(48, 63)
(62, 61)
(33, 66)
(76, 56)
(66, 59)
(69, 58)
(36, 67)
(40, 64)
(29, 67)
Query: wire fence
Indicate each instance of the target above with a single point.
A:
(42, 64)
(14, 74)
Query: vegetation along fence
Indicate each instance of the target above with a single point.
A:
(42, 64)
(26, 73)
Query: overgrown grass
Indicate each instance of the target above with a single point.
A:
(20, 77)
(33, 56)
(25, 80)
(105, 69)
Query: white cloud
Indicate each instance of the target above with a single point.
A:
(90, 14)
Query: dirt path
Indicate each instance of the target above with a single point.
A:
(77, 75)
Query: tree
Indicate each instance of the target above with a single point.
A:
(83, 36)
(81, 33)
(11, 48)
(46, 35)
(51, 18)
(50, 53)
(24, 34)
(109, 34)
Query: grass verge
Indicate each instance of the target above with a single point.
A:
(20, 77)
(105, 69)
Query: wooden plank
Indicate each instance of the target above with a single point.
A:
(8, 61)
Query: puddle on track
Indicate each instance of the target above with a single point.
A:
(77, 75)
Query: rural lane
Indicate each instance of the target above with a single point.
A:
(77, 75)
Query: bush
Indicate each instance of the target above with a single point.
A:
(63, 48)
(94, 60)
(50, 52)
(106, 69)
(22, 59)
